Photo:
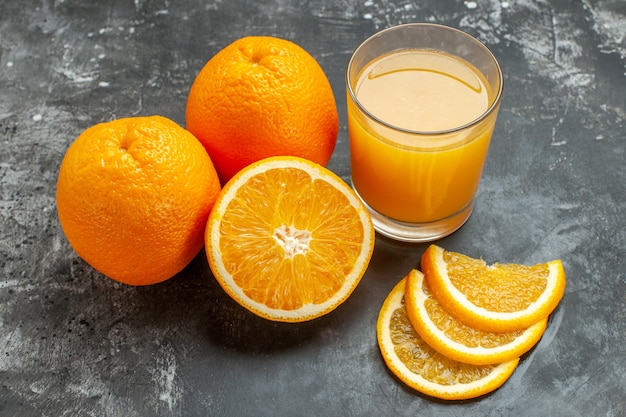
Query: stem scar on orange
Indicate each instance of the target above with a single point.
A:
(133, 197)
(258, 97)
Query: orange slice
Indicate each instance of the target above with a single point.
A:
(424, 369)
(495, 298)
(457, 341)
(288, 239)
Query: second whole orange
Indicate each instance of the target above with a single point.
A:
(133, 197)
(258, 97)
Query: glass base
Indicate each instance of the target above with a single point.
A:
(418, 232)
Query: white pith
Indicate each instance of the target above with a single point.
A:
(293, 241)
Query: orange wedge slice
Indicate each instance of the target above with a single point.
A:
(457, 341)
(495, 298)
(288, 239)
(424, 369)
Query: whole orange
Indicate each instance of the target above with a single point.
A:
(133, 198)
(258, 97)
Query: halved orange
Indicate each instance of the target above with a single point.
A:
(288, 239)
(424, 369)
(493, 298)
(457, 341)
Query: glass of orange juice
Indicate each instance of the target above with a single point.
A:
(422, 104)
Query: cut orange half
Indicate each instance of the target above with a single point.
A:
(424, 369)
(457, 341)
(288, 239)
(493, 298)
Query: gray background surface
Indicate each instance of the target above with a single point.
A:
(75, 343)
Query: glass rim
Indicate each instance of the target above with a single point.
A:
(492, 107)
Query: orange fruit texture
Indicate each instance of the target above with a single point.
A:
(416, 363)
(133, 197)
(258, 97)
(452, 338)
(288, 239)
(459, 329)
(493, 298)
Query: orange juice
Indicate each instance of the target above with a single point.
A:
(410, 161)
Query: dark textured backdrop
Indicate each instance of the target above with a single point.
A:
(74, 343)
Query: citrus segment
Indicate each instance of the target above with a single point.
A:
(494, 298)
(421, 367)
(133, 197)
(258, 97)
(288, 239)
(457, 341)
